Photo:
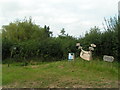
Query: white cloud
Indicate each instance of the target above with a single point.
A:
(76, 16)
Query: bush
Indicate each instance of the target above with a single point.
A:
(6, 46)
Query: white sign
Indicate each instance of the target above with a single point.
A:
(108, 58)
(71, 56)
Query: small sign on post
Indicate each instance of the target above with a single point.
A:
(108, 58)
(71, 56)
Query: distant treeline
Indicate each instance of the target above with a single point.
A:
(24, 39)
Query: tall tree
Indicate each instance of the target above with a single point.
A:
(47, 31)
(62, 32)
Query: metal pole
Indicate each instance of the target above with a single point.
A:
(119, 9)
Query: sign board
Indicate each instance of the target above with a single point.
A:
(108, 58)
(71, 56)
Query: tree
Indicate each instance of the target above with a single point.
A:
(111, 37)
(19, 30)
(47, 31)
(62, 32)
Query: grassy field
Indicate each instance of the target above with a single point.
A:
(61, 74)
(0, 75)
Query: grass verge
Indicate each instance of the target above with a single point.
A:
(61, 74)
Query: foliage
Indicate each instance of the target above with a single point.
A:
(6, 45)
(106, 42)
(24, 30)
(24, 36)
(24, 40)
(67, 45)
(94, 36)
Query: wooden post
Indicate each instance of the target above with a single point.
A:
(8, 64)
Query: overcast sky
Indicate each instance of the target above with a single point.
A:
(76, 16)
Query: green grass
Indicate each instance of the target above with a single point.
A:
(61, 74)
(0, 75)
